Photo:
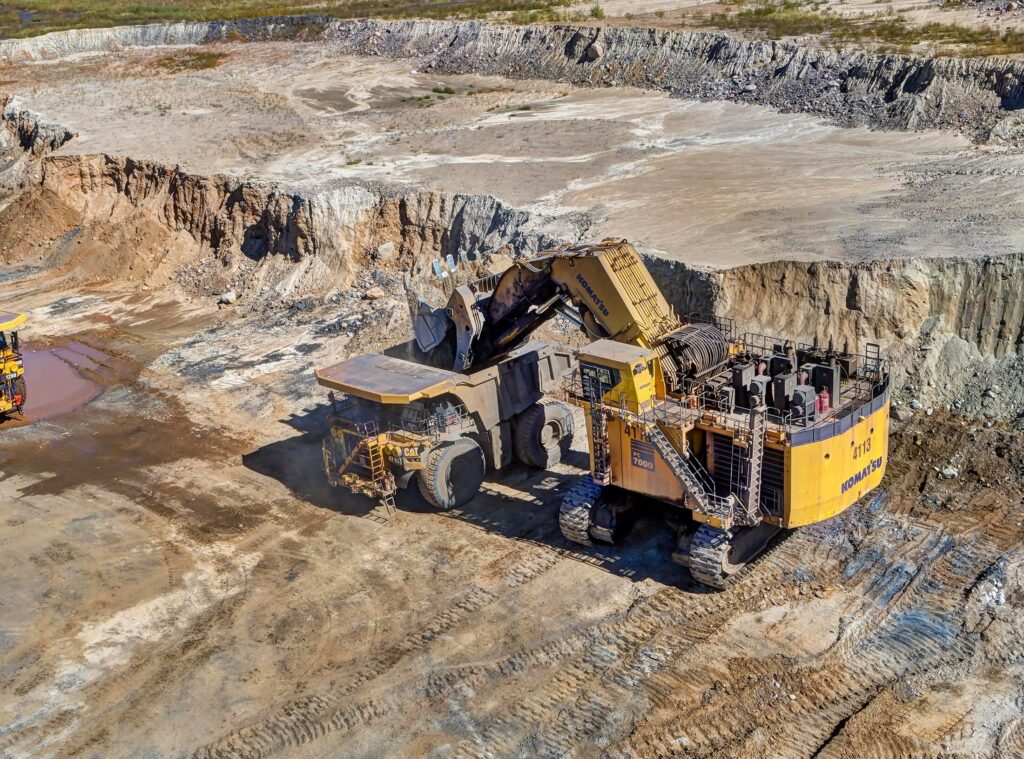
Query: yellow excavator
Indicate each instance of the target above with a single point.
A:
(740, 435)
(13, 393)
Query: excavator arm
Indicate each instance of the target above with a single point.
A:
(605, 288)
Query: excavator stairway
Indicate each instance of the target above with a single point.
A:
(696, 482)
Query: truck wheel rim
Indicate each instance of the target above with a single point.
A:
(550, 433)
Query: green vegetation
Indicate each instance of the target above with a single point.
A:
(596, 11)
(189, 61)
(446, 90)
(28, 18)
(891, 32)
(547, 15)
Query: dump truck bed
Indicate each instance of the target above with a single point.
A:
(10, 320)
(385, 379)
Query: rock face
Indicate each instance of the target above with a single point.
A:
(980, 96)
(25, 139)
(107, 218)
(848, 87)
(979, 301)
(113, 218)
(76, 41)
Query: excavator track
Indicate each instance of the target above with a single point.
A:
(709, 556)
(576, 512)
(715, 556)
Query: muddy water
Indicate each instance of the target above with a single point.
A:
(55, 384)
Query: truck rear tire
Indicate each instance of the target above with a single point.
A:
(543, 434)
(20, 394)
(452, 473)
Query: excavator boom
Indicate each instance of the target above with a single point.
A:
(604, 287)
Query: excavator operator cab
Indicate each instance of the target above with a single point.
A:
(12, 370)
(619, 374)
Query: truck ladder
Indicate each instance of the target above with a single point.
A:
(383, 482)
(602, 451)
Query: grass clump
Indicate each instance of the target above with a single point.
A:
(189, 61)
(596, 11)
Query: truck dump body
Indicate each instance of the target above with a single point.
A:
(385, 379)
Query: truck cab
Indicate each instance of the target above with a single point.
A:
(13, 392)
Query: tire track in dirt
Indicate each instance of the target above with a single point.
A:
(610, 660)
(910, 623)
(311, 717)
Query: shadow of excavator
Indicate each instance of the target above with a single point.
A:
(518, 503)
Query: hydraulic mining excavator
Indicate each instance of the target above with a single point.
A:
(739, 435)
(13, 393)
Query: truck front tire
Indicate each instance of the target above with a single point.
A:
(452, 473)
(543, 434)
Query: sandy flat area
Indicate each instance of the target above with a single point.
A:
(710, 183)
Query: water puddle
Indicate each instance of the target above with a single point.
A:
(54, 383)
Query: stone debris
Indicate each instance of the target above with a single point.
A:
(384, 252)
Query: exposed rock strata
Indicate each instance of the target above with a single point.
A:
(115, 218)
(25, 139)
(980, 96)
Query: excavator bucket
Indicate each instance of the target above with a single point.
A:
(429, 326)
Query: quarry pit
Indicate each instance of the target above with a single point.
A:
(180, 579)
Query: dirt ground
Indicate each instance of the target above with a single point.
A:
(993, 14)
(179, 580)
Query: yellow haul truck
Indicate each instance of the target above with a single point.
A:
(401, 419)
(13, 393)
(742, 435)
